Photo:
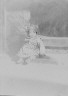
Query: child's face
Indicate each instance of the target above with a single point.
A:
(32, 33)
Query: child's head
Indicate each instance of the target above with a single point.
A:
(32, 32)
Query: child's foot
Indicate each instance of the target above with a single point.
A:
(28, 60)
(44, 57)
(24, 63)
(20, 61)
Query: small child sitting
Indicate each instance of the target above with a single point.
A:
(33, 48)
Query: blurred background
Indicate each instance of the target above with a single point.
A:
(50, 15)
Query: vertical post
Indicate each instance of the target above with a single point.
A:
(4, 17)
(5, 26)
(1, 25)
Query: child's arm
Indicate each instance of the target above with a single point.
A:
(27, 39)
(42, 47)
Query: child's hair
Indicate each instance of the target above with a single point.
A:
(28, 32)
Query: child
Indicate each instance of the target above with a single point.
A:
(32, 48)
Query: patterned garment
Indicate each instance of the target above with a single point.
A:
(30, 49)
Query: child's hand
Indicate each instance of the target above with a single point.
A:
(26, 39)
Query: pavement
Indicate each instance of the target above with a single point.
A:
(34, 79)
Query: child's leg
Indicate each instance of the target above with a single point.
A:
(20, 61)
(30, 59)
(22, 57)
